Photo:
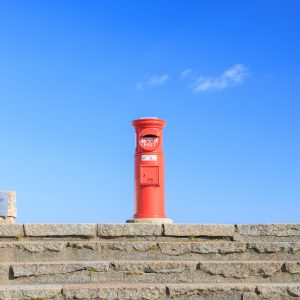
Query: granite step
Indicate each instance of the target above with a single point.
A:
(152, 232)
(77, 250)
(135, 291)
(151, 272)
(149, 261)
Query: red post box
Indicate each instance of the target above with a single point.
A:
(149, 172)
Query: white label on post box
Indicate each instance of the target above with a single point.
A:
(149, 157)
(3, 204)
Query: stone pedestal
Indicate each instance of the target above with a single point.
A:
(150, 220)
(8, 211)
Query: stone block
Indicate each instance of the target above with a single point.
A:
(40, 230)
(292, 267)
(284, 291)
(232, 291)
(129, 229)
(241, 270)
(117, 291)
(197, 230)
(174, 249)
(40, 247)
(11, 230)
(155, 267)
(40, 269)
(280, 230)
(273, 247)
(218, 247)
(207, 291)
(31, 292)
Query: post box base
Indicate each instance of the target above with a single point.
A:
(150, 220)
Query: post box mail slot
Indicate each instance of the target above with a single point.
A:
(149, 142)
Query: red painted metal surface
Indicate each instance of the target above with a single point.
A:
(149, 169)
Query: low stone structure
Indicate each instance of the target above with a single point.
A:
(149, 261)
(8, 210)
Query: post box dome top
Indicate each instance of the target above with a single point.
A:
(149, 122)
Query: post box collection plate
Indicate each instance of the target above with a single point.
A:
(149, 175)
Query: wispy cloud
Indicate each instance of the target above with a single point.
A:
(231, 77)
(155, 80)
(185, 73)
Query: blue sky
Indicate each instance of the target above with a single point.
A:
(225, 75)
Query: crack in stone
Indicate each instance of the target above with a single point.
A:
(163, 232)
(112, 266)
(50, 274)
(257, 291)
(75, 245)
(292, 294)
(94, 270)
(168, 292)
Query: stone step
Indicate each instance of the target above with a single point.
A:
(150, 272)
(135, 291)
(152, 232)
(77, 250)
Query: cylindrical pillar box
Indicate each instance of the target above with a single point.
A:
(149, 187)
(8, 211)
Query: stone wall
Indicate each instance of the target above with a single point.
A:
(149, 261)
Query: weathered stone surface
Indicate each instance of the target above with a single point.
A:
(4, 294)
(121, 292)
(141, 261)
(292, 267)
(202, 291)
(111, 247)
(233, 291)
(117, 230)
(199, 291)
(33, 269)
(273, 247)
(31, 292)
(164, 267)
(280, 230)
(196, 230)
(218, 247)
(45, 249)
(154, 271)
(41, 247)
(294, 290)
(175, 249)
(40, 230)
(4, 274)
(6, 245)
(129, 247)
(11, 230)
(79, 245)
(241, 269)
(278, 292)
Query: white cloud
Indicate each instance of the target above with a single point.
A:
(185, 73)
(154, 80)
(231, 77)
